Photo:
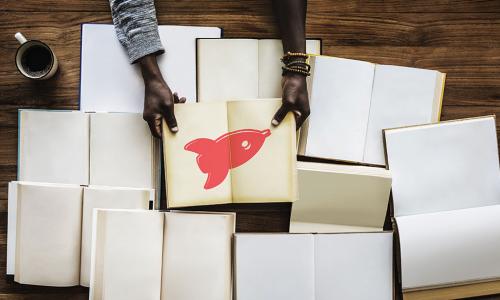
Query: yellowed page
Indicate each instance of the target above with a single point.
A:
(270, 174)
(48, 234)
(197, 253)
(184, 179)
(227, 69)
(334, 197)
(105, 197)
(126, 255)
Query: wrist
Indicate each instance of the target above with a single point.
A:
(150, 70)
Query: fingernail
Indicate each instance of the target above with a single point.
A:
(175, 129)
(274, 122)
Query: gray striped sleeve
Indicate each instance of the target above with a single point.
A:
(136, 27)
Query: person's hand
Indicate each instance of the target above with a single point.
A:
(295, 99)
(158, 98)
(159, 103)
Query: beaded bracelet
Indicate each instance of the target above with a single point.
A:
(290, 55)
(295, 70)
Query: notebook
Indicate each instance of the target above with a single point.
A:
(340, 198)
(50, 229)
(352, 101)
(235, 69)
(313, 266)
(72, 147)
(172, 255)
(109, 83)
(228, 152)
(446, 193)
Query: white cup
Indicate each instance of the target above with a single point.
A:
(35, 59)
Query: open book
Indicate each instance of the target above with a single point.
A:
(161, 255)
(352, 101)
(313, 266)
(71, 147)
(50, 229)
(446, 194)
(340, 198)
(228, 152)
(109, 83)
(235, 69)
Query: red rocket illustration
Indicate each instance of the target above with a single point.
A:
(230, 150)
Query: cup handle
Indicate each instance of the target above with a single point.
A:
(20, 38)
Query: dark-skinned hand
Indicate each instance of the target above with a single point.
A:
(295, 99)
(158, 98)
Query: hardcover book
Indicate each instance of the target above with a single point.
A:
(340, 198)
(352, 101)
(237, 69)
(161, 255)
(109, 83)
(228, 152)
(446, 194)
(50, 229)
(313, 266)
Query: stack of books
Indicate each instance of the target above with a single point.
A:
(80, 207)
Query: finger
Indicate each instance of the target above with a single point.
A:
(280, 114)
(182, 100)
(301, 117)
(154, 124)
(168, 115)
(176, 98)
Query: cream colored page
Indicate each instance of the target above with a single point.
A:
(53, 146)
(270, 53)
(127, 255)
(354, 266)
(274, 266)
(310, 227)
(401, 97)
(270, 174)
(184, 179)
(48, 235)
(105, 197)
(120, 150)
(450, 247)
(451, 165)
(227, 69)
(11, 227)
(197, 253)
(336, 198)
(340, 96)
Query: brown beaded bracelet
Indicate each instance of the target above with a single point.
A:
(295, 70)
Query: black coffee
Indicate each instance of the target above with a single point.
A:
(36, 60)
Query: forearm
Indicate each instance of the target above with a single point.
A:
(291, 17)
(136, 27)
(150, 69)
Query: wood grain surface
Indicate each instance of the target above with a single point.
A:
(460, 38)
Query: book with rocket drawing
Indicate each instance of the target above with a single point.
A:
(228, 152)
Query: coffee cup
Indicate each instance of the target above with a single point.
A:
(35, 59)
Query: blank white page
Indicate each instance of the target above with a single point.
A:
(354, 266)
(121, 150)
(126, 255)
(228, 69)
(197, 257)
(105, 197)
(401, 97)
(445, 166)
(270, 53)
(329, 198)
(53, 146)
(48, 234)
(109, 82)
(450, 247)
(340, 102)
(274, 266)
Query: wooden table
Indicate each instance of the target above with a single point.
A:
(460, 38)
